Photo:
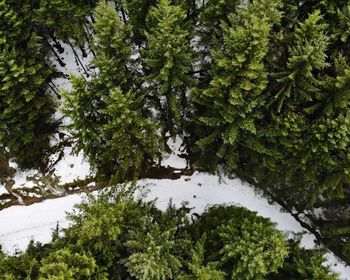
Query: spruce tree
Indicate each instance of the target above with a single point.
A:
(212, 14)
(230, 107)
(137, 14)
(198, 269)
(254, 249)
(26, 105)
(65, 264)
(247, 246)
(167, 61)
(113, 49)
(152, 254)
(108, 119)
(307, 55)
(303, 264)
(64, 19)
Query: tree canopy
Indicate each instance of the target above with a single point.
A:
(257, 89)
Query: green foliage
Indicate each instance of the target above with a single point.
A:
(137, 12)
(152, 254)
(100, 225)
(246, 245)
(271, 105)
(18, 267)
(114, 236)
(64, 264)
(64, 19)
(278, 117)
(167, 60)
(113, 49)
(307, 55)
(254, 248)
(26, 105)
(233, 102)
(303, 264)
(198, 270)
(113, 130)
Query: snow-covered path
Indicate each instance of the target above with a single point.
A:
(19, 224)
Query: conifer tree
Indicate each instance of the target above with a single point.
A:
(303, 264)
(113, 49)
(232, 104)
(64, 19)
(307, 55)
(101, 225)
(247, 246)
(115, 134)
(167, 61)
(26, 105)
(65, 264)
(212, 14)
(198, 269)
(254, 249)
(152, 254)
(137, 14)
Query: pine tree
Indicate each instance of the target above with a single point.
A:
(232, 104)
(167, 61)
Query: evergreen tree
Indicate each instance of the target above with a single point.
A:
(137, 14)
(254, 248)
(152, 254)
(113, 49)
(307, 56)
(26, 105)
(131, 140)
(113, 129)
(198, 270)
(100, 226)
(167, 60)
(212, 14)
(232, 104)
(296, 135)
(114, 236)
(303, 264)
(63, 20)
(247, 246)
(311, 133)
(65, 264)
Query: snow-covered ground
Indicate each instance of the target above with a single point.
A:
(20, 224)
